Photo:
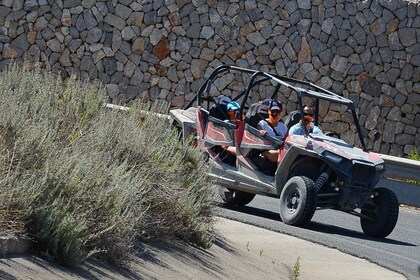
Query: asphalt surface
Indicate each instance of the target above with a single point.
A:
(400, 251)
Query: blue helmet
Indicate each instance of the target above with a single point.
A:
(233, 106)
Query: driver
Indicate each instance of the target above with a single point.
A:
(299, 128)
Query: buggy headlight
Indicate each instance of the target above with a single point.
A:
(380, 167)
(333, 157)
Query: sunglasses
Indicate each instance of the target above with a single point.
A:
(311, 115)
(274, 113)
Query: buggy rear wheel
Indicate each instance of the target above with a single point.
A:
(233, 197)
(381, 213)
(298, 201)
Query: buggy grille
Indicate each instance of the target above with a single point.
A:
(362, 175)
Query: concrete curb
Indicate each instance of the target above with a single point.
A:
(11, 246)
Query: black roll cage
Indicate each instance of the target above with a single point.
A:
(312, 91)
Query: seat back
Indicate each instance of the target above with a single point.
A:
(252, 138)
(256, 112)
(220, 131)
(293, 118)
(219, 110)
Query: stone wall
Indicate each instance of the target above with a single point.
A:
(366, 50)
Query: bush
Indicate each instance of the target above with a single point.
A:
(82, 180)
(414, 155)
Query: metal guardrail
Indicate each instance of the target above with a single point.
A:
(125, 108)
(399, 171)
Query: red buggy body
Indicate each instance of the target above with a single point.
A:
(314, 171)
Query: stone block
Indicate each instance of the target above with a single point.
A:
(115, 21)
(389, 132)
(413, 99)
(404, 139)
(417, 121)
(339, 63)
(372, 87)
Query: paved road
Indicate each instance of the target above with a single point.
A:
(400, 251)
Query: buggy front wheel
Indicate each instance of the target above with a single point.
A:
(380, 214)
(298, 201)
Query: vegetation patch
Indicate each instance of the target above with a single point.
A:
(414, 155)
(296, 270)
(81, 180)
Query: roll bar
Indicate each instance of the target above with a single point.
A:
(295, 85)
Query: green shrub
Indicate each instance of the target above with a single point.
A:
(82, 180)
(414, 155)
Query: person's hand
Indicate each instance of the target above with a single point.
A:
(263, 132)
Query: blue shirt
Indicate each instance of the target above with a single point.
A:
(298, 129)
(280, 129)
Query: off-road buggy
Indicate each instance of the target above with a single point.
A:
(314, 171)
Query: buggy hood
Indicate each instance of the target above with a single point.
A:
(325, 144)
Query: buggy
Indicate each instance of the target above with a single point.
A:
(314, 171)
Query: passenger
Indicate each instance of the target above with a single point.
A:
(218, 110)
(309, 125)
(232, 109)
(273, 127)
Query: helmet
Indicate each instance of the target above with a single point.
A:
(223, 100)
(233, 106)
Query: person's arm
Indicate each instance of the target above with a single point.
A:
(317, 130)
(260, 128)
(294, 129)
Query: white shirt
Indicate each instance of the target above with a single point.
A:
(280, 129)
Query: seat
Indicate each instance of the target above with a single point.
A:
(293, 118)
(219, 131)
(218, 113)
(252, 138)
(254, 143)
(218, 110)
(256, 112)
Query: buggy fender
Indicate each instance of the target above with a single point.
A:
(283, 169)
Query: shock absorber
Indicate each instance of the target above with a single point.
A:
(322, 179)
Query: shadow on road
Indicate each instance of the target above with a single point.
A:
(332, 229)
(313, 226)
(255, 212)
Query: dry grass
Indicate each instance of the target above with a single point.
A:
(81, 180)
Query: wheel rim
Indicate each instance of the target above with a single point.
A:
(232, 193)
(292, 201)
